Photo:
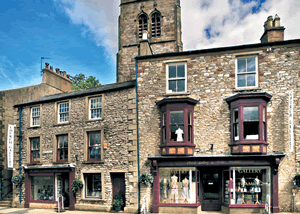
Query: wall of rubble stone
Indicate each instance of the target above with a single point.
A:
(211, 78)
(119, 132)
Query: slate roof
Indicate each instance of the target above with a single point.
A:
(80, 93)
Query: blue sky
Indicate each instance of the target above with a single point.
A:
(80, 36)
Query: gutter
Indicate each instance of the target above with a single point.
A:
(137, 136)
(20, 148)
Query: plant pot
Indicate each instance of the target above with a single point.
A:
(117, 209)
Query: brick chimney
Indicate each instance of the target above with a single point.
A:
(273, 31)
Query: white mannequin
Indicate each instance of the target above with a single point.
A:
(179, 133)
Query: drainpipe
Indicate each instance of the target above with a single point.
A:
(137, 134)
(20, 148)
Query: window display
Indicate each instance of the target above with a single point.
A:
(93, 185)
(250, 185)
(42, 188)
(177, 185)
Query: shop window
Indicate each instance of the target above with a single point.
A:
(35, 150)
(35, 116)
(143, 24)
(247, 186)
(93, 185)
(94, 146)
(62, 148)
(246, 72)
(42, 188)
(63, 112)
(177, 185)
(249, 122)
(177, 126)
(95, 108)
(176, 78)
(156, 25)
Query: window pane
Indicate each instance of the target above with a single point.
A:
(241, 80)
(180, 71)
(250, 113)
(60, 141)
(251, 80)
(176, 117)
(61, 155)
(66, 141)
(98, 152)
(172, 85)
(177, 133)
(180, 85)
(189, 117)
(172, 71)
(97, 139)
(251, 130)
(92, 139)
(241, 65)
(92, 153)
(190, 133)
(235, 115)
(251, 64)
(93, 185)
(42, 188)
(66, 154)
(236, 131)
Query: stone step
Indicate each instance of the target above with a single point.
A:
(5, 203)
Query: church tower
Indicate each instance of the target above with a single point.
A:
(146, 27)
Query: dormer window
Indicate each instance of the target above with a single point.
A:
(177, 126)
(156, 25)
(249, 122)
(143, 24)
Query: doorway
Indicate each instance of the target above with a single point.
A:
(63, 187)
(211, 189)
(118, 184)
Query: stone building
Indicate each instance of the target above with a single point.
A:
(85, 135)
(52, 83)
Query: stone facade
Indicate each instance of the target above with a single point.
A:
(9, 98)
(118, 141)
(129, 42)
(211, 78)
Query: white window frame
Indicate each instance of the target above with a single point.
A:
(90, 110)
(254, 72)
(176, 78)
(32, 117)
(59, 113)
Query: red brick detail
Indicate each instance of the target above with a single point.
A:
(140, 71)
(215, 60)
(142, 95)
(232, 75)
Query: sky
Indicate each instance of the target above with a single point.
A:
(80, 36)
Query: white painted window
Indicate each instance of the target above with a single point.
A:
(246, 74)
(95, 108)
(176, 78)
(35, 116)
(63, 112)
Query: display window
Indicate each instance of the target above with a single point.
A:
(247, 186)
(93, 185)
(177, 185)
(42, 188)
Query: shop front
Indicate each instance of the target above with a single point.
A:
(214, 183)
(45, 184)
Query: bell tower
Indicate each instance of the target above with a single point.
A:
(146, 27)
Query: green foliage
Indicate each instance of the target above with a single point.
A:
(146, 179)
(118, 201)
(17, 180)
(76, 185)
(80, 81)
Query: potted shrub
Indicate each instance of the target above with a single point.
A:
(146, 179)
(17, 180)
(76, 185)
(118, 202)
(296, 180)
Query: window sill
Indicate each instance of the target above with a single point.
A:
(247, 89)
(92, 120)
(93, 199)
(34, 164)
(88, 162)
(61, 124)
(61, 162)
(176, 94)
(34, 127)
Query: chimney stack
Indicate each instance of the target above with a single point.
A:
(47, 65)
(273, 31)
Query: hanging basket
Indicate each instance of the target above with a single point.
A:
(17, 180)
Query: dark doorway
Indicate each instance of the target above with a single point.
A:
(211, 189)
(118, 184)
(63, 187)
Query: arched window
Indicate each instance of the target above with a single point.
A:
(143, 25)
(156, 25)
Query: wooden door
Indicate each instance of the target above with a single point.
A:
(118, 184)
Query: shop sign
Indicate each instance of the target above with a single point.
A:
(249, 170)
(10, 146)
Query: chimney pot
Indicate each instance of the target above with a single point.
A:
(57, 70)
(64, 73)
(47, 65)
(270, 21)
(68, 76)
(51, 68)
(276, 22)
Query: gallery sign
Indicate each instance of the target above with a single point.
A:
(10, 146)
